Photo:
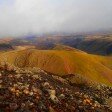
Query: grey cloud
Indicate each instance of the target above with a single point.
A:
(40, 16)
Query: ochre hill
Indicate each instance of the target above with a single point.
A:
(62, 62)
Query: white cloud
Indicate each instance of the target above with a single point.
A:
(22, 16)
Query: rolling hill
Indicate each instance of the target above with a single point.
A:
(63, 62)
(95, 44)
(5, 47)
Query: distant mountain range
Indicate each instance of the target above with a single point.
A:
(94, 44)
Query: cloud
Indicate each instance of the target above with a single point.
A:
(19, 17)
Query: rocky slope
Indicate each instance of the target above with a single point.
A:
(34, 90)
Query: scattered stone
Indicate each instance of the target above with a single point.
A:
(34, 90)
(53, 97)
(62, 96)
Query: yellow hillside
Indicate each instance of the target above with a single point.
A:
(62, 62)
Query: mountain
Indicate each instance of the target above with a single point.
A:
(64, 47)
(33, 89)
(5, 47)
(62, 62)
(48, 73)
(94, 44)
(97, 45)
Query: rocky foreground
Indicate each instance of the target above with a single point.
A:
(34, 90)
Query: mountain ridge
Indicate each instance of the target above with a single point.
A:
(62, 62)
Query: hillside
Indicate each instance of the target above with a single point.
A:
(31, 90)
(95, 44)
(5, 47)
(62, 62)
(65, 48)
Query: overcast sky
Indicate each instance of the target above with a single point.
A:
(19, 17)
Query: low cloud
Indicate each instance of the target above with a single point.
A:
(18, 17)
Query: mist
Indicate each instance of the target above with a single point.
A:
(19, 17)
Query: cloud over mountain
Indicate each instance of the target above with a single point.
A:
(19, 17)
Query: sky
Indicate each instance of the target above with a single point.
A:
(19, 17)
